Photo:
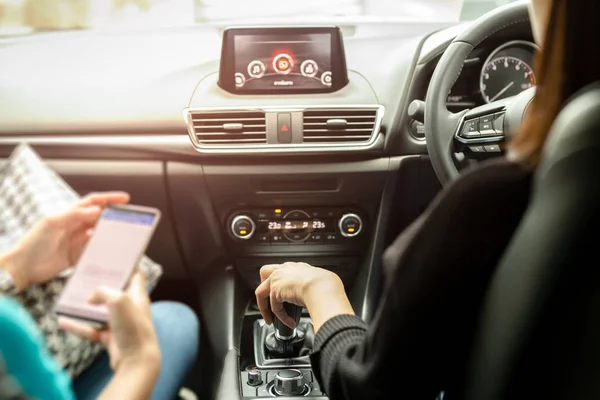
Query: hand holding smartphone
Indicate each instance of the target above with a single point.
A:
(109, 259)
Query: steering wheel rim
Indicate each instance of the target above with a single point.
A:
(440, 124)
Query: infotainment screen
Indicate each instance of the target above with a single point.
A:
(282, 60)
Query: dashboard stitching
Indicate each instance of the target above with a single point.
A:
(519, 21)
(457, 76)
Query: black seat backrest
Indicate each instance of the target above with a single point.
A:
(539, 334)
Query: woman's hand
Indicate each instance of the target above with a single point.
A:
(319, 290)
(55, 243)
(130, 337)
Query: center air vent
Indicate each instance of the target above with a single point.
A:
(229, 127)
(333, 125)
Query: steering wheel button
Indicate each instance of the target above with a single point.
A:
(486, 120)
(499, 123)
(492, 148)
(485, 126)
(471, 129)
(476, 149)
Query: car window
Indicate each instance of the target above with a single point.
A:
(38, 16)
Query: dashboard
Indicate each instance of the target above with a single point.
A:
(99, 91)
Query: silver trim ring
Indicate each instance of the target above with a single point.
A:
(278, 336)
(350, 215)
(240, 218)
(293, 378)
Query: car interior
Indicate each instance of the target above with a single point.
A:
(315, 143)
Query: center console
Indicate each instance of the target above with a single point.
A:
(275, 359)
(282, 94)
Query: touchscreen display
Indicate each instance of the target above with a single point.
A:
(119, 238)
(293, 61)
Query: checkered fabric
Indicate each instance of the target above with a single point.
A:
(29, 191)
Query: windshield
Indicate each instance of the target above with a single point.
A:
(34, 16)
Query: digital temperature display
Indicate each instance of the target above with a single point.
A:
(299, 226)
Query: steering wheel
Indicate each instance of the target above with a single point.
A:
(482, 128)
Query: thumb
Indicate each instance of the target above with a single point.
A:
(137, 286)
(78, 216)
(104, 295)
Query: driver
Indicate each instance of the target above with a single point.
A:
(437, 270)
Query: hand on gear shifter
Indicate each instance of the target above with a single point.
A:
(282, 331)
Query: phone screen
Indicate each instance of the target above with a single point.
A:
(112, 253)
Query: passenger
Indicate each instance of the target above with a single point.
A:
(150, 348)
(437, 271)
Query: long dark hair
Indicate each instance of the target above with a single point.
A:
(569, 61)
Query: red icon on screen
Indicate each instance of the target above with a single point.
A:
(284, 128)
(283, 63)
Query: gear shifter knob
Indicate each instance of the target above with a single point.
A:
(282, 331)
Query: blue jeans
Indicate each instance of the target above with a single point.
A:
(178, 332)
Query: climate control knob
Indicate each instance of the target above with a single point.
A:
(242, 227)
(289, 382)
(350, 225)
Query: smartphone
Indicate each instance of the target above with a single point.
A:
(110, 258)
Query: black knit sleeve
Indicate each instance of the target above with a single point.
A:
(333, 338)
(436, 275)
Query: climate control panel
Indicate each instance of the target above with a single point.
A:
(295, 225)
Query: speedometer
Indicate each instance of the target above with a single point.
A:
(507, 71)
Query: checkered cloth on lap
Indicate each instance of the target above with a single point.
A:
(29, 191)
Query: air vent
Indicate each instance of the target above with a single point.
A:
(332, 125)
(230, 127)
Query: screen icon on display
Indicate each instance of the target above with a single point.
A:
(309, 68)
(239, 80)
(256, 69)
(283, 63)
(326, 78)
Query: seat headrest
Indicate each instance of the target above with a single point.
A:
(576, 128)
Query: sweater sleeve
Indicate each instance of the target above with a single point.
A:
(25, 357)
(436, 272)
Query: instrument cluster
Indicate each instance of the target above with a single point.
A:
(505, 71)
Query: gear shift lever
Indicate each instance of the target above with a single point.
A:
(282, 331)
(284, 341)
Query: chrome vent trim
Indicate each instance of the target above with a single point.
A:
(339, 125)
(374, 139)
(229, 127)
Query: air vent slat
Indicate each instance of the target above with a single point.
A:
(339, 138)
(334, 131)
(228, 119)
(339, 125)
(368, 124)
(230, 127)
(263, 127)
